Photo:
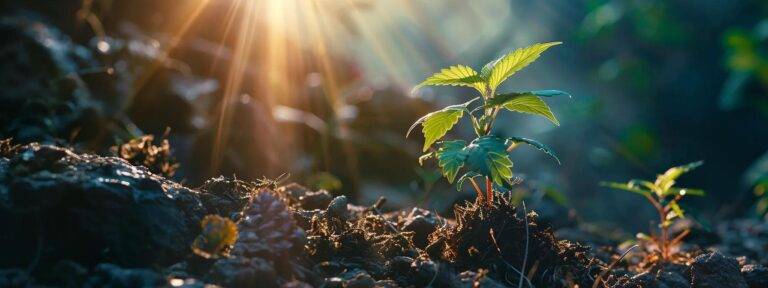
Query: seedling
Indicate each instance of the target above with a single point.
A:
(487, 155)
(665, 199)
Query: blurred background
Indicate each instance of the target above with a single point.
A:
(320, 90)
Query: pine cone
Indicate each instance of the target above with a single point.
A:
(268, 228)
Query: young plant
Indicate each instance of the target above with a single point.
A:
(665, 198)
(487, 155)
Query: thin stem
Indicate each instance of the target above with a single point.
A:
(477, 189)
(489, 190)
(664, 235)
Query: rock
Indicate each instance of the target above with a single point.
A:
(315, 200)
(70, 274)
(92, 209)
(14, 278)
(715, 270)
(386, 284)
(333, 282)
(672, 279)
(471, 279)
(756, 276)
(338, 208)
(360, 280)
(293, 190)
(44, 98)
(422, 223)
(110, 275)
(243, 272)
(226, 196)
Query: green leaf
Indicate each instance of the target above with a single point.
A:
(533, 143)
(526, 103)
(686, 191)
(667, 180)
(550, 93)
(626, 187)
(499, 70)
(647, 184)
(436, 124)
(451, 157)
(458, 75)
(487, 156)
(464, 178)
(676, 208)
(500, 99)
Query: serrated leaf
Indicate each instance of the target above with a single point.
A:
(535, 144)
(436, 124)
(487, 156)
(531, 105)
(625, 187)
(501, 69)
(500, 99)
(667, 180)
(458, 75)
(451, 156)
(464, 178)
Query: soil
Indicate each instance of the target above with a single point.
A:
(78, 219)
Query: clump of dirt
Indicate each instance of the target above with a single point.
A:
(143, 151)
(501, 238)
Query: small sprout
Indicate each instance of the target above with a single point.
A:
(487, 155)
(216, 238)
(665, 199)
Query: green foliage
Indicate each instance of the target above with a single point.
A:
(217, 236)
(662, 188)
(486, 155)
(436, 124)
(664, 197)
(747, 61)
(458, 75)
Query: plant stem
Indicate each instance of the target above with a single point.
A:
(664, 232)
(477, 189)
(489, 190)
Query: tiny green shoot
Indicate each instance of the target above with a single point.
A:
(665, 199)
(486, 155)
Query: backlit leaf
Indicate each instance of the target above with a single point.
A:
(533, 143)
(487, 156)
(499, 70)
(436, 124)
(530, 104)
(667, 180)
(451, 157)
(625, 187)
(458, 75)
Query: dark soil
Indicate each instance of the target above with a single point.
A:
(79, 219)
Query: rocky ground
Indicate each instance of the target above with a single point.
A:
(77, 219)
